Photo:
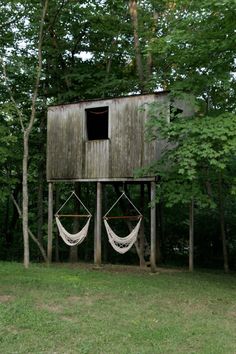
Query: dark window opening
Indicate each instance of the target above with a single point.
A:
(175, 112)
(97, 123)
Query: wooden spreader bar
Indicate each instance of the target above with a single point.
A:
(130, 217)
(73, 215)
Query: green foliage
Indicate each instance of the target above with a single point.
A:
(198, 149)
(197, 45)
(9, 161)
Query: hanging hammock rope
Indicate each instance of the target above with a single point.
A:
(97, 112)
(122, 244)
(76, 238)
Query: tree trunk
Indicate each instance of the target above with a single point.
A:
(40, 204)
(133, 8)
(149, 63)
(6, 223)
(158, 251)
(161, 223)
(26, 133)
(222, 224)
(25, 199)
(191, 236)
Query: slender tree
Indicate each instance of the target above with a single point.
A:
(26, 129)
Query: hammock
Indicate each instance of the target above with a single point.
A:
(76, 238)
(122, 244)
(72, 239)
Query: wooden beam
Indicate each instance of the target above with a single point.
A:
(73, 215)
(129, 217)
(153, 227)
(50, 221)
(98, 227)
(105, 180)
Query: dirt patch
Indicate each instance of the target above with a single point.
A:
(232, 314)
(85, 299)
(50, 308)
(120, 268)
(14, 330)
(117, 268)
(6, 298)
(74, 299)
(69, 319)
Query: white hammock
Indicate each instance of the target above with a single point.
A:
(77, 238)
(122, 244)
(72, 239)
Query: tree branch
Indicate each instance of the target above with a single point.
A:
(39, 68)
(30, 232)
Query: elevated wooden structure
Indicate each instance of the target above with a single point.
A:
(102, 141)
(76, 152)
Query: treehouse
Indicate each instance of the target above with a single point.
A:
(100, 139)
(103, 141)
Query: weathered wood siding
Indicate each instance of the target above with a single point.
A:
(99, 149)
(71, 156)
(64, 144)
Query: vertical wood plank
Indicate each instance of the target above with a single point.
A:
(98, 230)
(50, 221)
(97, 158)
(153, 227)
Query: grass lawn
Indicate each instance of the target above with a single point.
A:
(65, 309)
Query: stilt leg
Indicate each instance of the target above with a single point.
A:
(50, 221)
(153, 227)
(98, 228)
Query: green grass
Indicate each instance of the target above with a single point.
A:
(65, 309)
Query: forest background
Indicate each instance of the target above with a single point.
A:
(97, 49)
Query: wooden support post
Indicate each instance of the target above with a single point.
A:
(50, 220)
(191, 235)
(98, 229)
(73, 256)
(142, 262)
(57, 194)
(153, 227)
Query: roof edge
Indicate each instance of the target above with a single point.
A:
(157, 93)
